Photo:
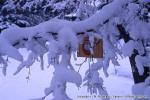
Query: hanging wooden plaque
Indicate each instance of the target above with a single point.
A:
(84, 48)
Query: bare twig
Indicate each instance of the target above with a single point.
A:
(81, 64)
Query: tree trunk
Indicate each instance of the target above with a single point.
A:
(137, 78)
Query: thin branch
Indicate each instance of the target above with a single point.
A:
(81, 64)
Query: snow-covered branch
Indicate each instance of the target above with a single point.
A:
(14, 34)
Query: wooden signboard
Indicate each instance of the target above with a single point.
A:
(84, 48)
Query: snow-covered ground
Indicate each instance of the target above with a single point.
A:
(119, 83)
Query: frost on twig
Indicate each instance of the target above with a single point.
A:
(54, 51)
(93, 81)
(30, 60)
(38, 48)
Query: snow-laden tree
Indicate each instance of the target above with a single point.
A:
(109, 20)
(32, 12)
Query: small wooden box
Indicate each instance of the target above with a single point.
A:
(83, 50)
